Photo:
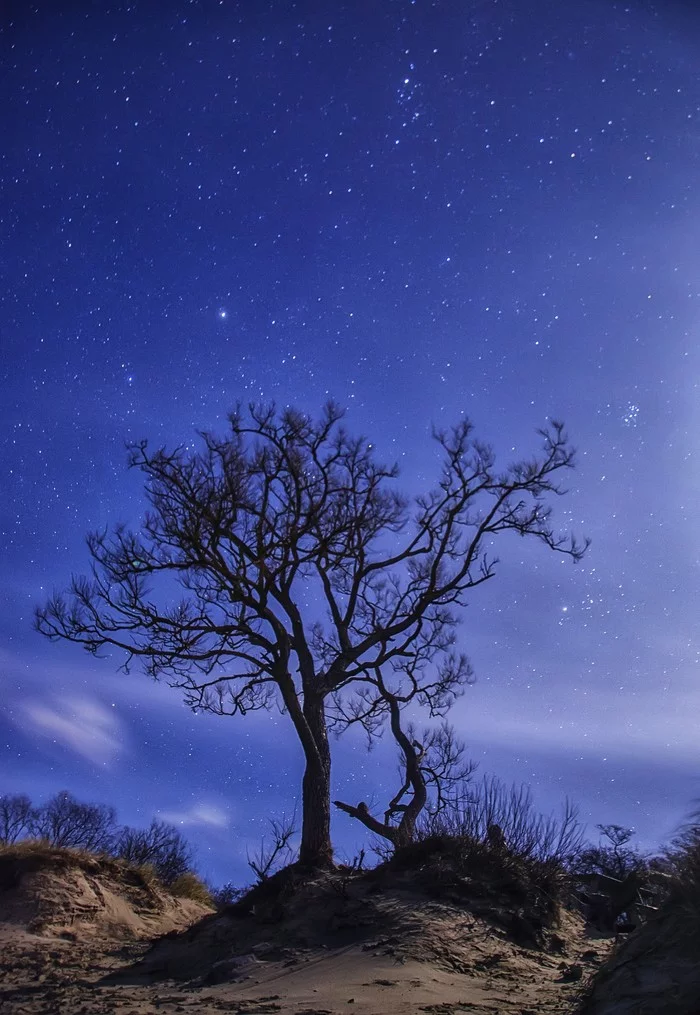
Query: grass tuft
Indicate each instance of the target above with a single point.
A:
(189, 886)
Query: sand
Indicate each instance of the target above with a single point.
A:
(82, 939)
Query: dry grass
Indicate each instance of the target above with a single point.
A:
(189, 886)
(31, 854)
(462, 864)
(147, 872)
(42, 847)
(37, 853)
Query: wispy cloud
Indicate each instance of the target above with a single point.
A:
(644, 724)
(199, 814)
(82, 725)
(36, 673)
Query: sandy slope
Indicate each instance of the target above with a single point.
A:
(656, 972)
(69, 917)
(343, 980)
(54, 891)
(71, 936)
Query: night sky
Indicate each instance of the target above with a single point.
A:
(425, 210)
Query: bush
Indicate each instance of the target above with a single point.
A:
(16, 818)
(226, 895)
(612, 858)
(522, 893)
(159, 852)
(189, 886)
(492, 804)
(67, 823)
(682, 888)
(160, 845)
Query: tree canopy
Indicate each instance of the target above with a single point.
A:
(305, 580)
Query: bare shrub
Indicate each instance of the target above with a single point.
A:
(383, 849)
(66, 822)
(526, 833)
(16, 818)
(160, 845)
(680, 867)
(225, 895)
(680, 855)
(612, 857)
(685, 893)
(277, 852)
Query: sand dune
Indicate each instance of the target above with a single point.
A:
(77, 936)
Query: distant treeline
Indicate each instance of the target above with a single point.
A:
(65, 822)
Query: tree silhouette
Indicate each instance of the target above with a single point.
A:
(160, 845)
(282, 513)
(431, 769)
(613, 857)
(16, 817)
(66, 822)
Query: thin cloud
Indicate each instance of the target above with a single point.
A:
(200, 814)
(646, 724)
(80, 724)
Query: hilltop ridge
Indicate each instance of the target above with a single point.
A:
(431, 930)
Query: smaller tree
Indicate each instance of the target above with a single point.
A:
(161, 846)
(66, 822)
(16, 818)
(612, 857)
(430, 770)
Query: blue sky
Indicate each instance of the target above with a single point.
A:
(425, 211)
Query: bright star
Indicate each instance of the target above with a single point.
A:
(222, 314)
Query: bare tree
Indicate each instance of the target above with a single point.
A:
(160, 846)
(64, 821)
(612, 857)
(260, 525)
(16, 818)
(430, 770)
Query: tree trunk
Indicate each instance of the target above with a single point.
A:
(316, 849)
(406, 831)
